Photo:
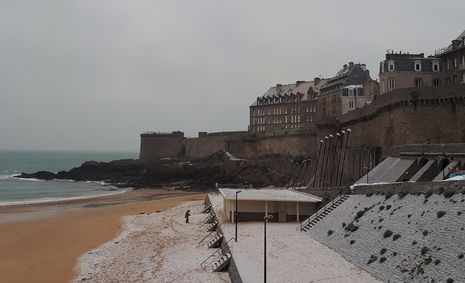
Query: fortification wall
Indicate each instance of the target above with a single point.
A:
(405, 116)
(412, 238)
(155, 145)
(409, 116)
(254, 147)
(206, 144)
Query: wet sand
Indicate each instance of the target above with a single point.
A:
(46, 248)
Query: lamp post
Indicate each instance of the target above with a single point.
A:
(235, 218)
(344, 156)
(290, 174)
(265, 219)
(317, 162)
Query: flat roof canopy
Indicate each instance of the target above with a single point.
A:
(268, 195)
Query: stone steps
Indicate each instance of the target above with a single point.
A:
(206, 209)
(216, 241)
(221, 263)
(212, 226)
(209, 219)
(324, 213)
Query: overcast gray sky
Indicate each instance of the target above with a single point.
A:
(92, 75)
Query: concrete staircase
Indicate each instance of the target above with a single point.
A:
(322, 213)
(215, 242)
(212, 226)
(206, 209)
(209, 219)
(221, 263)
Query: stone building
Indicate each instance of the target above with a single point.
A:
(404, 70)
(350, 89)
(453, 61)
(286, 107)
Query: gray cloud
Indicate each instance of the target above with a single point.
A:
(92, 75)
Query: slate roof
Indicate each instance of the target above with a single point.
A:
(449, 48)
(348, 75)
(302, 88)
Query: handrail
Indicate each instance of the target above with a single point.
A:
(202, 264)
(200, 242)
(316, 214)
(207, 223)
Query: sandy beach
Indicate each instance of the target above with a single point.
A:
(44, 247)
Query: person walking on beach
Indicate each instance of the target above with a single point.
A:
(188, 213)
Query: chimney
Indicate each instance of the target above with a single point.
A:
(455, 44)
(297, 83)
(351, 64)
(316, 81)
(364, 67)
(279, 87)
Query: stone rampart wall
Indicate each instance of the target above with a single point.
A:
(254, 147)
(156, 146)
(408, 116)
(208, 144)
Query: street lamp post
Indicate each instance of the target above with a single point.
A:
(235, 217)
(265, 219)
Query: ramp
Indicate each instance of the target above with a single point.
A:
(449, 167)
(422, 171)
(388, 171)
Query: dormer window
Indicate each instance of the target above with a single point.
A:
(435, 67)
(391, 66)
(417, 65)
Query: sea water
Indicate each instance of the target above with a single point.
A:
(18, 191)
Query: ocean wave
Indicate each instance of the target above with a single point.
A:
(27, 179)
(7, 176)
(58, 199)
(102, 183)
(12, 177)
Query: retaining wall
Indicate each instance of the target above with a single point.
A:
(425, 242)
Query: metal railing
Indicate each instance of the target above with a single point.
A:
(200, 243)
(204, 263)
(316, 214)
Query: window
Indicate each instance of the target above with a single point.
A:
(435, 67)
(351, 105)
(436, 82)
(391, 84)
(391, 66)
(351, 92)
(417, 66)
(418, 82)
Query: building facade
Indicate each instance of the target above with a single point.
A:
(351, 88)
(404, 70)
(453, 61)
(286, 107)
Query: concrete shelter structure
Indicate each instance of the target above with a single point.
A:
(253, 205)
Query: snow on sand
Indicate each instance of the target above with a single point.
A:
(158, 247)
(292, 256)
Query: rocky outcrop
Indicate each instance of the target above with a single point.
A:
(196, 174)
